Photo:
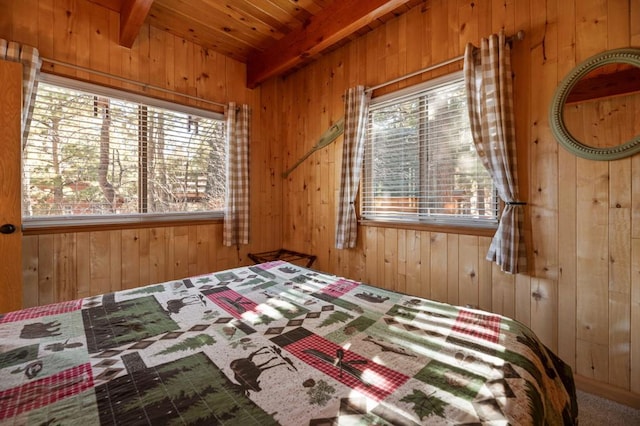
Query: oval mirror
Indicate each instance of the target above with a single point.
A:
(594, 112)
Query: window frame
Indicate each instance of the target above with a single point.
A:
(421, 221)
(62, 223)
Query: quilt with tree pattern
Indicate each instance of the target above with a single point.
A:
(274, 343)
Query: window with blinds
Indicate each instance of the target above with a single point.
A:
(420, 164)
(96, 152)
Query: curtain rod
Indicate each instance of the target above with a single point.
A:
(129, 81)
(518, 36)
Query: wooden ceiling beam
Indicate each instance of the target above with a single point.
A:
(337, 21)
(622, 80)
(132, 16)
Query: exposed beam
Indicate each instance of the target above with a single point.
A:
(609, 80)
(339, 20)
(132, 16)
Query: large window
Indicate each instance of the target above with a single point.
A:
(420, 162)
(94, 153)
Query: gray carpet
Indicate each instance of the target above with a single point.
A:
(596, 411)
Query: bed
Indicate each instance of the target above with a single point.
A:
(274, 343)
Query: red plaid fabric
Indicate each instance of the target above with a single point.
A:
(382, 380)
(270, 265)
(40, 393)
(42, 311)
(234, 303)
(482, 326)
(340, 287)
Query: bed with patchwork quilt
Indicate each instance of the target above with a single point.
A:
(274, 343)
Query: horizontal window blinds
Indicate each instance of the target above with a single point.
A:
(93, 154)
(420, 162)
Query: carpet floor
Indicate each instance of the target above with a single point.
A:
(593, 410)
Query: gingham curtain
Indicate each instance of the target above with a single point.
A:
(356, 109)
(490, 100)
(30, 59)
(236, 212)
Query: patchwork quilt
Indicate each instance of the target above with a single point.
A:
(274, 343)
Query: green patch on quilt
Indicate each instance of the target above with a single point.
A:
(190, 390)
(375, 296)
(300, 279)
(350, 329)
(358, 325)
(430, 311)
(255, 282)
(258, 270)
(345, 304)
(147, 290)
(54, 362)
(521, 361)
(536, 406)
(404, 313)
(336, 317)
(286, 307)
(190, 344)
(18, 356)
(226, 276)
(457, 381)
(114, 324)
(439, 309)
(425, 405)
(416, 341)
(79, 409)
(320, 393)
(507, 355)
(204, 280)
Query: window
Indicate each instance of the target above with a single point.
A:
(94, 153)
(420, 162)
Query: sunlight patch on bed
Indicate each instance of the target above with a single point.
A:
(251, 316)
(269, 311)
(282, 304)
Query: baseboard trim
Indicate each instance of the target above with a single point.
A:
(607, 391)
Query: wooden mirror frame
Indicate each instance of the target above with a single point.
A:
(628, 56)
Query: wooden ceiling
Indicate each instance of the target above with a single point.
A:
(272, 37)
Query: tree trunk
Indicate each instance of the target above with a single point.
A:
(102, 104)
(57, 179)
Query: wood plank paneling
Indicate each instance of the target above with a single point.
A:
(581, 295)
(46, 279)
(438, 266)
(69, 265)
(30, 271)
(567, 238)
(10, 196)
(100, 263)
(634, 352)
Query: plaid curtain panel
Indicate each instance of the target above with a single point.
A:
(356, 109)
(236, 212)
(30, 59)
(489, 88)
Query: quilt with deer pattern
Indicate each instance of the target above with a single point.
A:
(274, 343)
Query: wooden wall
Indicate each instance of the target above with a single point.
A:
(69, 265)
(582, 295)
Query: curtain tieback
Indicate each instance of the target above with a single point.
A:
(515, 203)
